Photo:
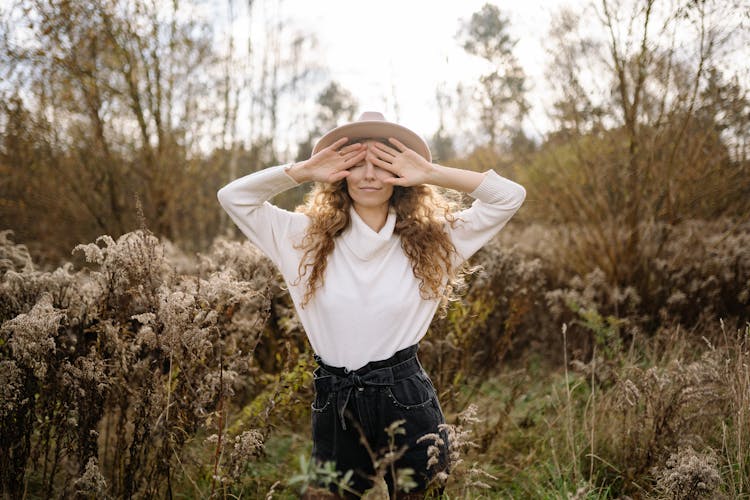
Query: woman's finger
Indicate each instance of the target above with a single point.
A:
(390, 153)
(397, 181)
(338, 143)
(382, 164)
(339, 175)
(354, 154)
(398, 144)
(351, 147)
(385, 149)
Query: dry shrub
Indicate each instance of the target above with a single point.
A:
(13, 256)
(736, 429)
(688, 474)
(92, 483)
(700, 271)
(28, 351)
(662, 407)
(704, 273)
(22, 283)
(130, 358)
(502, 310)
(581, 304)
(111, 371)
(464, 478)
(526, 290)
(673, 405)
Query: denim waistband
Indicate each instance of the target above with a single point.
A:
(402, 364)
(398, 357)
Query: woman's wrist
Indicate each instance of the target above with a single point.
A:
(455, 178)
(297, 172)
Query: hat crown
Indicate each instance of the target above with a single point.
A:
(372, 124)
(371, 116)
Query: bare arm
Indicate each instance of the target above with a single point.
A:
(454, 178)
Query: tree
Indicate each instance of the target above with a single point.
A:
(640, 144)
(112, 95)
(501, 92)
(441, 144)
(108, 105)
(334, 106)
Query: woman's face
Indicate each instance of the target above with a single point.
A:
(365, 182)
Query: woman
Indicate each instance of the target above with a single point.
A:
(369, 259)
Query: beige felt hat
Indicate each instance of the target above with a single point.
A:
(371, 125)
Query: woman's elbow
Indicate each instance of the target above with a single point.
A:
(519, 195)
(224, 196)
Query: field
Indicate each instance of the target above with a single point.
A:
(600, 347)
(143, 371)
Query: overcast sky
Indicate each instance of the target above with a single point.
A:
(407, 48)
(392, 55)
(404, 49)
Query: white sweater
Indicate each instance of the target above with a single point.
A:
(369, 305)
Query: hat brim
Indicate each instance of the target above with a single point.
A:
(371, 129)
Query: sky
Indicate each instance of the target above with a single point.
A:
(391, 55)
(378, 50)
(406, 48)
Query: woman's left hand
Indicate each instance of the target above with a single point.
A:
(409, 167)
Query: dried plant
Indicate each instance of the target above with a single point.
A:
(652, 411)
(112, 370)
(92, 482)
(13, 256)
(468, 478)
(688, 474)
(129, 359)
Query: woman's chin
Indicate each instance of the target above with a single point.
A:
(367, 202)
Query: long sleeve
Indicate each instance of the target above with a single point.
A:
(496, 199)
(267, 226)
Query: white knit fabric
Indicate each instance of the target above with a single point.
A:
(369, 306)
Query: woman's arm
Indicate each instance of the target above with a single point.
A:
(496, 198)
(265, 225)
(465, 181)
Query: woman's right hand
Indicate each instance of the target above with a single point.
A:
(330, 164)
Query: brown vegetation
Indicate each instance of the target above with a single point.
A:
(602, 351)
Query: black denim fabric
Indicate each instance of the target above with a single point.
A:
(368, 400)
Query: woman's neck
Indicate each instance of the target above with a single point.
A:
(374, 217)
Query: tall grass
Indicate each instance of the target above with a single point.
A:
(140, 371)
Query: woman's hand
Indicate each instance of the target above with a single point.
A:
(409, 167)
(330, 164)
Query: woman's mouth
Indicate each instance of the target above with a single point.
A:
(369, 189)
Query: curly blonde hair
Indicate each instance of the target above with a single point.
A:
(423, 237)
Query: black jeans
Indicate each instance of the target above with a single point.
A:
(364, 402)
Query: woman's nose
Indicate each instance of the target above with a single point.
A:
(369, 169)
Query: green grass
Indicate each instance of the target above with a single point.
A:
(533, 437)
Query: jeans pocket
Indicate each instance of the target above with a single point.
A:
(322, 400)
(412, 392)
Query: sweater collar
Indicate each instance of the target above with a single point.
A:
(362, 240)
